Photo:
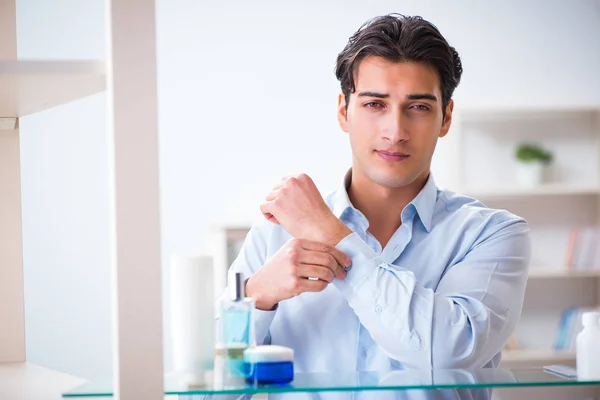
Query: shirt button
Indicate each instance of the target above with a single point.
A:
(378, 309)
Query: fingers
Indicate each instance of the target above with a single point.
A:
(265, 209)
(273, 195)
(340, 257)
(272, 218)
(286, 180)
(307, 285)
(277, 192)
(294, 179)
(315, 271)
(323, 259)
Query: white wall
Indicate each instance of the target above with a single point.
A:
(247, 94)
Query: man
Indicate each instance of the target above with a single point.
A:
(388, 272)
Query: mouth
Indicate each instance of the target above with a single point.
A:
(392, 156)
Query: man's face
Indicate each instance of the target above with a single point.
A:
(394, 118)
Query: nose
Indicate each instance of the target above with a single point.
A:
(395, 128)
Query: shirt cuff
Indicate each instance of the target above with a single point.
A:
(262, 320)
(362, 256)
(262, 323)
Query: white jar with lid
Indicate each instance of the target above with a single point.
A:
(588, 347)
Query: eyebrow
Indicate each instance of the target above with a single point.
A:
(416, 96)
(374, 94)
(421, 96)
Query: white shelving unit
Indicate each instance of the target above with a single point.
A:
(30, 86)
(226, 242)
(27, 86)
(27, 381)
(484, 141)
(21, 82)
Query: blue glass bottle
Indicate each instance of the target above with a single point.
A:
(237, 319)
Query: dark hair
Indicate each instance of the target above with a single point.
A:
(400, 38)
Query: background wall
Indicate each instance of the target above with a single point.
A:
(247, 94)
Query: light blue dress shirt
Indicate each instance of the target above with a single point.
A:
(445, 292)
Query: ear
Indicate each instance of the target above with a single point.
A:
(342, 114)
(447, 119)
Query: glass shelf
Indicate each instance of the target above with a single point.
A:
(366, 381)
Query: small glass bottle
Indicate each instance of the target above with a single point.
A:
(237, 324)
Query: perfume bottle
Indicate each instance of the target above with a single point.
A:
(237, 326)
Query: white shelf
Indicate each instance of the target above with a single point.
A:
(32, 86)
(25, 381)
(543, 190)
(537, 355)
(543, 273)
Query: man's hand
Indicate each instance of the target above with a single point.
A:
(286, 274)
(297, 205)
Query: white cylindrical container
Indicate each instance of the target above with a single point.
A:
(588, 347)
(192, 317)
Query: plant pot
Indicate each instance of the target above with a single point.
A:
(530, 173)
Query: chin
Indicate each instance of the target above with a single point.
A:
(390, 180)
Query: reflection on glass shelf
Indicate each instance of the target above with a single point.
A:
(367, 381)
(537, 355)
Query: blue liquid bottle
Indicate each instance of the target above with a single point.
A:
(237, 318)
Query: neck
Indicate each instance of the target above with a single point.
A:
(382, 206)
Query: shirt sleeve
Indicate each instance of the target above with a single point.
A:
(252, 256)
(462, 323)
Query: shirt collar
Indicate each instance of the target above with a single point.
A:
(341, 199)
(423, 203)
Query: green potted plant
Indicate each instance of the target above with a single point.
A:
(532, 161)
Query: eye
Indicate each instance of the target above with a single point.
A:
(420, 107)
(373, 104)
